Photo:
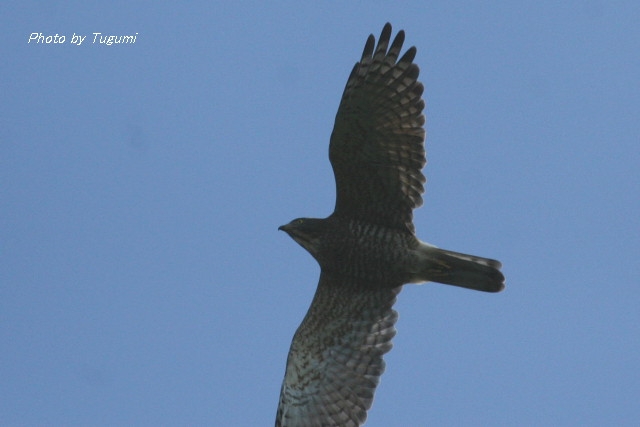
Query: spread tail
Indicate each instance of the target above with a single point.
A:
(466, 271)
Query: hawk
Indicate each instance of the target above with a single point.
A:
(367, 248)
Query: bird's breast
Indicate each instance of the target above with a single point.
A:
(368, 252)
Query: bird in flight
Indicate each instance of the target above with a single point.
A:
(367, 248)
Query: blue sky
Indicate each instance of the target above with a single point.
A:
(142, 277)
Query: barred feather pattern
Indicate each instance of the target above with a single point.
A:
(335, 361)
(377, 145)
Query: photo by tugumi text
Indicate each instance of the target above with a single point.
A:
(77, 39)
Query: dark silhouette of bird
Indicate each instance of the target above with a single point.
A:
(367, 248)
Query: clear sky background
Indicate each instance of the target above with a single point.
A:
(142, 277)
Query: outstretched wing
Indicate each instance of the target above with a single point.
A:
(377, 144)
(335, 360)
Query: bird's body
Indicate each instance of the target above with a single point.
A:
(391, 257)
(367, 249)
(352, 248)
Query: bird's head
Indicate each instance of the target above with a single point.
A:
(308, 232)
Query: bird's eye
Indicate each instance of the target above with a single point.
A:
(299, 221)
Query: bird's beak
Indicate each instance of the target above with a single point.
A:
(286, 228)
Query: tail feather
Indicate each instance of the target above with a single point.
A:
(457, 269)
